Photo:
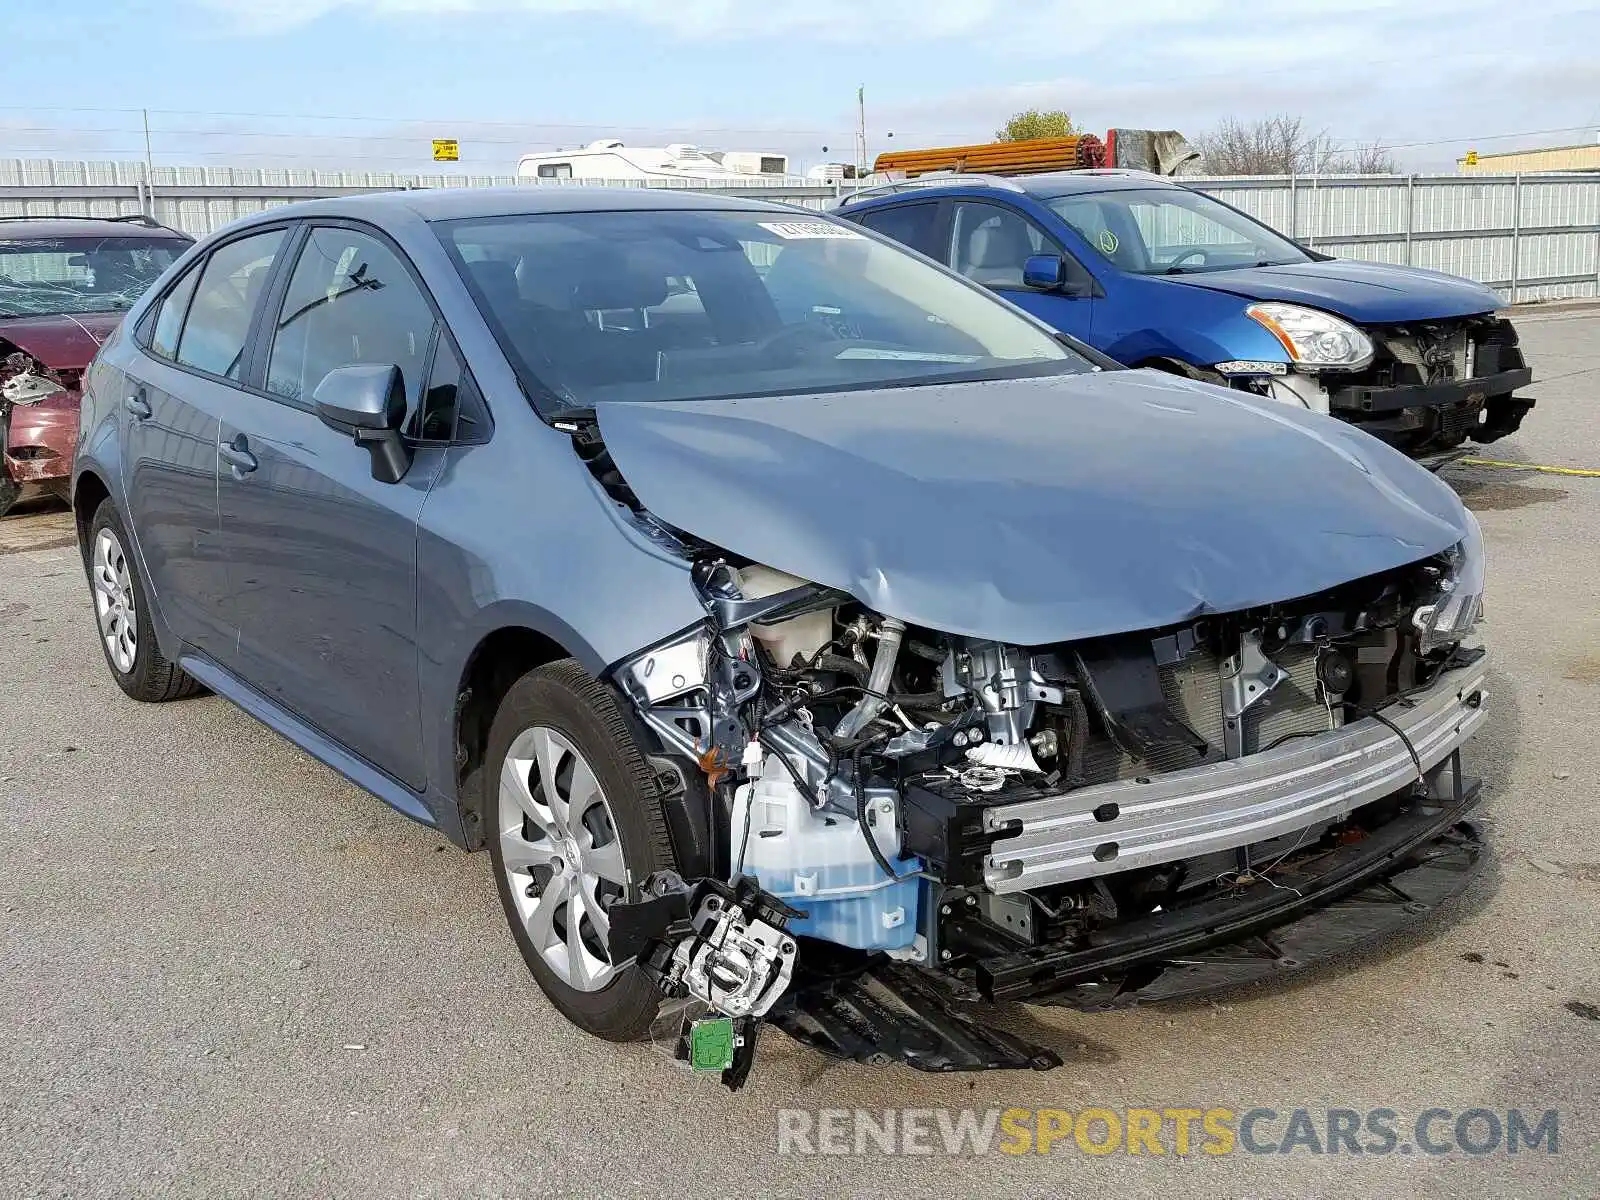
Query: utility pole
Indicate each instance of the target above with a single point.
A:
(861, 131)
(149, 167)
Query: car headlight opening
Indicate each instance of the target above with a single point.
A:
(1452, 615)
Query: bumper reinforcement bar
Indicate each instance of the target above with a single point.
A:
(1346, 898)
(1115, 827)
(1427, 395)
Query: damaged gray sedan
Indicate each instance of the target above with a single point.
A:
(811, 638)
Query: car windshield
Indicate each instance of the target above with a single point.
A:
(696, 304)
(45, 276)
(1170, 231)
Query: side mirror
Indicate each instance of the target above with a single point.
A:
(1052, 273)
(368, 401)
(1046, 272)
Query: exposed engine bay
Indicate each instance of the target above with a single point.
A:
(901, 820)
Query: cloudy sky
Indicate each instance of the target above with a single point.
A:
(365, 83)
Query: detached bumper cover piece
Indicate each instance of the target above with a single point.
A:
(889, 1013)
(1119, 826)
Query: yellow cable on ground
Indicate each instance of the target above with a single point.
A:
(1522, 466)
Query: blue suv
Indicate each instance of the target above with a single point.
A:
(1157, 275)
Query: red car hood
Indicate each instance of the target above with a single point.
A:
(65, 342)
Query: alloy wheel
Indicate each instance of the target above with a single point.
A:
(114, 604)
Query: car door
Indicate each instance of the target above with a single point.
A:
(989, 243)
(186, 370)
(322, 556)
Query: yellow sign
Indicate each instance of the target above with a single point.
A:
(446, 150)
(1108, 241)
(1472, 158)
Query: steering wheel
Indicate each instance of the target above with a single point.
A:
(1184, 255)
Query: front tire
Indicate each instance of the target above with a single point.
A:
(122, 614)
(577, 828)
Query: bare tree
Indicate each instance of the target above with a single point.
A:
(1373, 159)
(1282, 145)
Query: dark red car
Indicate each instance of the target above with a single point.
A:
(64, 284)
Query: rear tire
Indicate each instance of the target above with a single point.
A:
(9, 491)
(561, 861)
(122, 615)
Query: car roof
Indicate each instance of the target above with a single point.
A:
(450, 204)
(1044, 187)
(28, 228)
(1072, 183)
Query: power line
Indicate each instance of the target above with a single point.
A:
(1486, 137)
(1344, 142)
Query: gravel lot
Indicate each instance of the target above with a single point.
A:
(226, 971)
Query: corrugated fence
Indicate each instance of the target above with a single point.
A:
(198, 200)
(1532, 237)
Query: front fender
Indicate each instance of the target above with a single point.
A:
(1156, 318)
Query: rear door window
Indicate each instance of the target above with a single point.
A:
(914, 225)
(224, 302)
(350, 300)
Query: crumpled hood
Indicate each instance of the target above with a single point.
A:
(1037, 510)
(1364, 292)
(66, 342)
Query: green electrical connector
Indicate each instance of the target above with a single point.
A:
(711, 1044)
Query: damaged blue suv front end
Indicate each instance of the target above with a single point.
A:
(1158, 275)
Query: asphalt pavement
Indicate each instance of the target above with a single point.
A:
(228, 972)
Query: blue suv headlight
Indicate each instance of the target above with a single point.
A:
(1315, 340)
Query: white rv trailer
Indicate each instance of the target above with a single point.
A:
(754, 162)
(611, 158)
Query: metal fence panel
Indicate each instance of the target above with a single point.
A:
(1531, 237)
(199, 200)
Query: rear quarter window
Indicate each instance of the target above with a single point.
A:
(214, 333)
(169, 315)
(913, 225)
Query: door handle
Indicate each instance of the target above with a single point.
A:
(136, 404)
(237, 455)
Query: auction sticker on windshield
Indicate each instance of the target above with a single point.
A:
(799, 230)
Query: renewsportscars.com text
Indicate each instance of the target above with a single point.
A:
(1178, 1131)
